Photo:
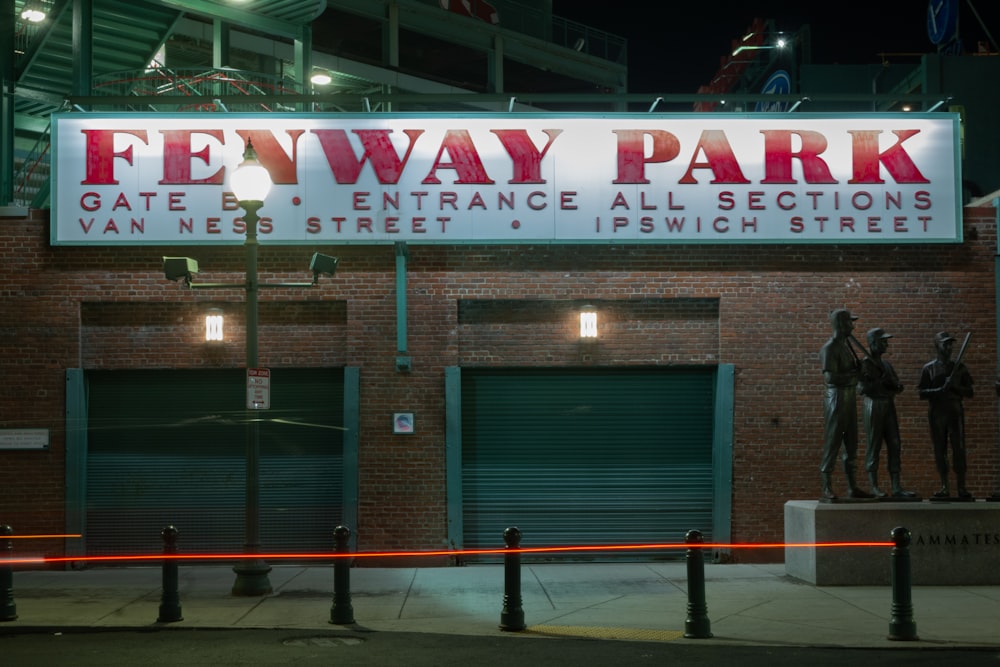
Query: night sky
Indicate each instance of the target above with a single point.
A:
(674, 47)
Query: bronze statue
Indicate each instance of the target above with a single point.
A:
(879, 385)
(840, 407)
(943, 384)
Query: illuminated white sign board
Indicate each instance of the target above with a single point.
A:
(125, 179)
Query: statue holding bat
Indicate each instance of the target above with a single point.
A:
(944, 384)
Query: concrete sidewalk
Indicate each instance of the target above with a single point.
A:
(747, 604)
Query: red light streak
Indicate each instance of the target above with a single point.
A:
(36, 537)
(456, 552)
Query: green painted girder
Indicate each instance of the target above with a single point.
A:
(278, 17)
(126, 35)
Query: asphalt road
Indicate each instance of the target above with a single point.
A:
(164, 646)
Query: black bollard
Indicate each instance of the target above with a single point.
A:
(901, 624)
(8, 610)
(697, 625)
(342, 613)
(512, 615)
(170, 600)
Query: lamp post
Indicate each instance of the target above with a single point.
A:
(250, 182)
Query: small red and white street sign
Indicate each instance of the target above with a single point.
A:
(258, 388)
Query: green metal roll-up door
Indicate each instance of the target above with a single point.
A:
(169, 447)
(586, 457)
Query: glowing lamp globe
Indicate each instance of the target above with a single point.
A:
(250, 180)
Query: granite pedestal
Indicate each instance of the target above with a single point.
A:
(954, 543)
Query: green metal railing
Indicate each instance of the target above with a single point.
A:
(31, 176)
(200, 89)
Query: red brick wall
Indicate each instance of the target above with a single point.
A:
(762, 308)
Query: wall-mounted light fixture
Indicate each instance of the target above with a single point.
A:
(321, 264)
(214, 325)
(175, 268)
(588, 322)
(320, 77)
(33, 12)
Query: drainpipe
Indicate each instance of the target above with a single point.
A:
(996, 286)
(403, 362)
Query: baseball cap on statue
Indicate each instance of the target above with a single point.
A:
(877, 333)
(943, 337)
(839, 314)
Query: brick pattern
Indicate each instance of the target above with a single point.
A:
(296, 333)
(633, 332)
(762, 308)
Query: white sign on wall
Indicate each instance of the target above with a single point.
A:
(258, 388)
(24, 438)
(516, 178)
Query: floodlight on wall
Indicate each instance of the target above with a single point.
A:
(588, 323)
(33, 12)
(214, 322)
(322, 264)
(320, 77)
(175, 268)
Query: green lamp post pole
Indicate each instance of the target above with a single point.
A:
(250, 183)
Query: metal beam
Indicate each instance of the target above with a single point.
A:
(303, 62)
(7, 102)
(83, 46)
(390, 37)
(429, 19)
(478, 99)
(40, 40)
(494, 60)
(42, 97)
(220, 44)
(240, 16)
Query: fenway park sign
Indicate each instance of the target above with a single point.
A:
(125, 179)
